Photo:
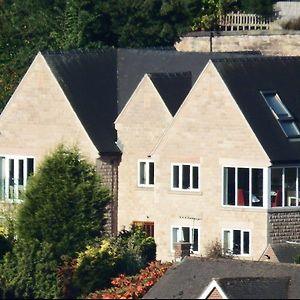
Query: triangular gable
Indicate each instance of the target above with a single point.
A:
(210, 91)
(38, 116)
(213, 287)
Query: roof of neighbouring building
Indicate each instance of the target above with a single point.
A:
(98, 83)
(190, 278)
(255, 287)
(287, 252)
(245, 79)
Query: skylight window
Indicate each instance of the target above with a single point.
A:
(281, 113)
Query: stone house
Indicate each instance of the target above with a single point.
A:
(73, 98)
(225, 167)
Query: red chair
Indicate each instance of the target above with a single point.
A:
(277, 200)
(241, 197)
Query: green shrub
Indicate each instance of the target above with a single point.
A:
(98, 264)
(296, 259)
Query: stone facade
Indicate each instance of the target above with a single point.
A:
(284, 226)
(285, 43)
(107, 167)
(208, 130)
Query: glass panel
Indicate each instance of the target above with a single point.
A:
(20, 182)
(276, 187)
(236, 242)
(30, 166)
(257, 187)
(195, 240)
(11, 179)
(175, 176)
(186, 184)
(243, 187)
(229, 186)
(276, 105)
(151, 173)
(2, 179)
(226, 241)
(195, 177)
(175, 236)
(186, 234)
(290, 177)
(142, 172)
(246, 248)
(290, 128)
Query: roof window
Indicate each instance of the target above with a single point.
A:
(281, 113)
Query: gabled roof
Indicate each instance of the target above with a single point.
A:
(245, 79)
(172, 87)
(286, 252)
(255, 287)
(188, 279)
(98, 83)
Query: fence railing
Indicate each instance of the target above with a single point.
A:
(243, 21)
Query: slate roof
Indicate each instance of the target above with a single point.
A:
(255, 287)
(188, 279)
(173, 88)
(98, 83)
(245, 78)
(286, 253)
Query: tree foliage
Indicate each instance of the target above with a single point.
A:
(63, 211)
(264, 8)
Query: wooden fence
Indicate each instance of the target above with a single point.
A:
(243, 21)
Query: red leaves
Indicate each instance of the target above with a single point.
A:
(133, 287)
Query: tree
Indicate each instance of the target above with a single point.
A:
(63, 211)
(29, 26)
(64, 203)
(264, 8)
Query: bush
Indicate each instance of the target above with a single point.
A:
(293, 24)
(134, 287)
(297, 259)
(94, 268)
(215, 250)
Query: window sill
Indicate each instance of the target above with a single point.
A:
(186, 192)
(244, 208)
(285, 209)
(145, 187)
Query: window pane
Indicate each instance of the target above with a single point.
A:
(276, 187)
(21, 172)
(185, 177)
(30, 166)
(2, 180)
(226, 241)
(289, 128)
(229, 186)
(276, 105)
(11, 179)
(236, 242)
(257, 187)
(175, 176)
(175, 236)
(151, 173)
(195, 240)
(246, 247)
(142, 172)
(290, 177)
(243, 187)
(186, 234)
(195, 177)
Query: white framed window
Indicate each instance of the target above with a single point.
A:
(145, 173)
(14, 173)
(243, 186)
(187, 234)
(236, 241)
(185, 177)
